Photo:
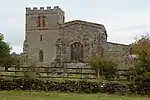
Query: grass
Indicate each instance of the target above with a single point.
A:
(26, 95)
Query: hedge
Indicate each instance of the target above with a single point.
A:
(70, 86)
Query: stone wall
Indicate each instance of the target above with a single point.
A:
(49, 33)
(117, 50)
(90, 35)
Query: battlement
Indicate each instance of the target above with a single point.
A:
(36, 10)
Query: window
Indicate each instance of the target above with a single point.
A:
(43, 21)
(41, 38)
(77, 51)
(38, 21)
(41, 56)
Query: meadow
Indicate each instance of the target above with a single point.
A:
(32, 95)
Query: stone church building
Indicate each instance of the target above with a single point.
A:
(48, 38)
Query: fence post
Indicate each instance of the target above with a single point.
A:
(48, 71)
(64, 72)
(81, 72)
(15, 70)
(98, 76)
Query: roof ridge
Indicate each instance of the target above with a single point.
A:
(82, 22)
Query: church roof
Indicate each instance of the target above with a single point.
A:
(66, 24)
(117, 44)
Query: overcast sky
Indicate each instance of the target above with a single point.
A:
(123, 19)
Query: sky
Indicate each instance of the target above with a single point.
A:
(123, 19)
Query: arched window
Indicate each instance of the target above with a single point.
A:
(77, 51)
(41, 56)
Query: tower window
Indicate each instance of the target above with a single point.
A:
(41, 56)
(43, 21)
(38, 21)
(41, 38)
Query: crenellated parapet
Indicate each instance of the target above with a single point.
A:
(48, 10)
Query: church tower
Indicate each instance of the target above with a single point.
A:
(41, 33)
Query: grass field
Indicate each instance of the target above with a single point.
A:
(25, 95)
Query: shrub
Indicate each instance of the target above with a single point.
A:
(142, 83)
(104, 67)
(74, 86)
(141, 74)
(130, 73)
(66, 86)
(4, 50)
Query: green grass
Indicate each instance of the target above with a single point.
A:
(26, 95)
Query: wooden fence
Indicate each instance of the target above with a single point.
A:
(55, 72)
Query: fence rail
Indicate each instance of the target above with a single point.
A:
(54, 72)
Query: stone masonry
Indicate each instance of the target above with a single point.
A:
(50, 39)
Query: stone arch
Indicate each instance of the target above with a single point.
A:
(41, 55)
(76, 51)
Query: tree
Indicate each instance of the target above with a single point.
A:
(141, 45)
(104, 67)
(13, 59)
(4, 50)
(141, 70)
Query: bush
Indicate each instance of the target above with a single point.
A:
(104, 67)
(130, 73)
(142, 82)
(66, 86)
(141, 74)
(74, 86)
(4, 50)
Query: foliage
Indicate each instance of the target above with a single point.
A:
(4, 50)
(142, 83)
(130, 73)
(73, 86)
(141, 70)
(141, 44)
(13, 60)
(141, 73)
(106, 67)
(65, 86)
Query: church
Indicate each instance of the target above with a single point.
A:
(48, 38)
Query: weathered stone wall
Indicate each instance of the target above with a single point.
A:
(54, 16)
(117, 50)
(47, 45)
(50, 32)
(90, 35)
